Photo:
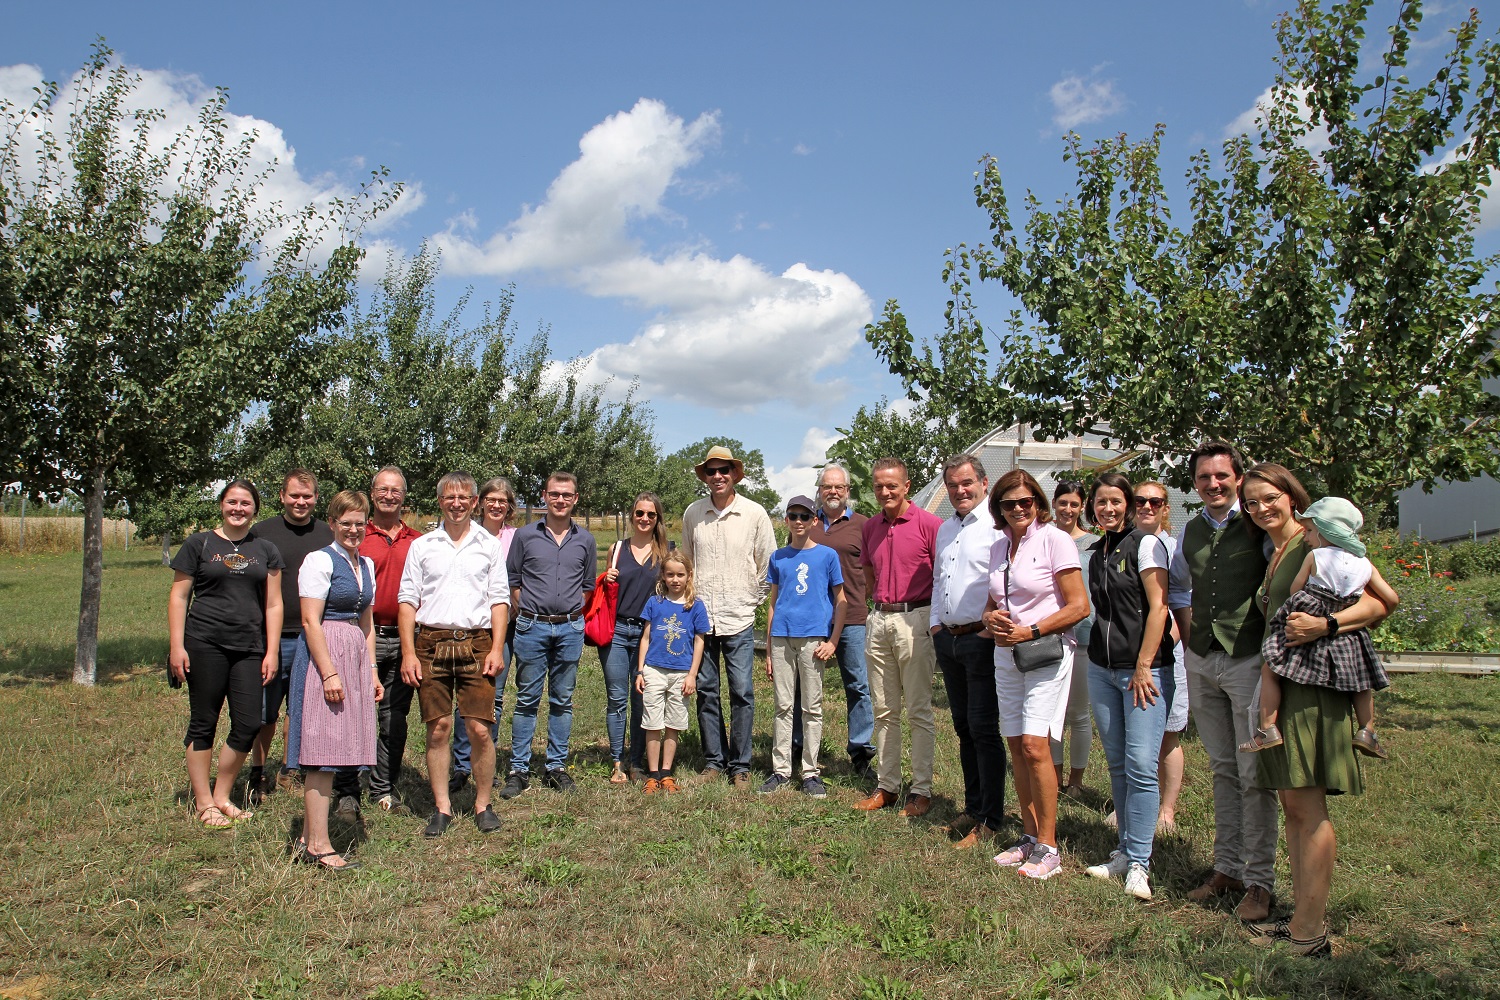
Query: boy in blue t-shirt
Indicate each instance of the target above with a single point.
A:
(671, 652)
(805, 619)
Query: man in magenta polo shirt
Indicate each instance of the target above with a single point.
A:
(898, 550)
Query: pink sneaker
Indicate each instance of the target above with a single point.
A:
(1013, 856)
(1044, 863)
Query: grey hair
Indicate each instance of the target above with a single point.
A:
(958, 461)
(389, 468)
(824, 471)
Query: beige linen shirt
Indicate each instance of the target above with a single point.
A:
(731, 553)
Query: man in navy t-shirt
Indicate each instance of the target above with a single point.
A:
(804, 622)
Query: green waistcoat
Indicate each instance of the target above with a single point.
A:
(1227, 567)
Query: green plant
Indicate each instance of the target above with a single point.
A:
(1236, 987)
(553, 871)
(474, 912)
(543, 987)
(886, 988)
(907, 934)
(406, 991)
(781, 989)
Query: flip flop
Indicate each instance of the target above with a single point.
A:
(213, 818)
(321, 861)
(619, 777)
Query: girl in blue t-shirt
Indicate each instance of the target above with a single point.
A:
(671, 652)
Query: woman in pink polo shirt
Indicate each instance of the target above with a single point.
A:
(1036, 597)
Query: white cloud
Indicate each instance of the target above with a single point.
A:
(1489, 213)
(800, 475)
(802, 149)
(1252, 119)
(726, 333)
(180, 98)
(1078, 100)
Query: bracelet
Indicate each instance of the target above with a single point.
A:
(330, 677)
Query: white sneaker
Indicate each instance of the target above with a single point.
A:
(1113, 868)
(1137, 883)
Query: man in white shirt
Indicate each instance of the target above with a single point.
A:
(730, 540)
(965, 651)
(455, 599)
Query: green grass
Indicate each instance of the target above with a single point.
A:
(110, 890)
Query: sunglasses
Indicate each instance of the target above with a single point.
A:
(646, 513)
(1023, 505)
(1152, 502)
(799, 517)
(718, 470)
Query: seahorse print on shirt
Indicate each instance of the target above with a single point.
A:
(802, 572)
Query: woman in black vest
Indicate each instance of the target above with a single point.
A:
(1130, 652)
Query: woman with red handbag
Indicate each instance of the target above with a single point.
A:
(633, 568)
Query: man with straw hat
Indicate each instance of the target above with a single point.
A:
(729, 539)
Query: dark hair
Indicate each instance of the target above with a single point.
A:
(563, 477)
(245, 485)
(1120, 483)
(1066, 486)
(1209, 449)
(502, 486)
(1278, 477)
(953, 462)
(1008, 482)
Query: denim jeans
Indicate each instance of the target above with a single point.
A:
(619, 659)
(968, 665)
(737, 653)
(851, 656)
(1131, 736)
(545, 653)
(461, 747)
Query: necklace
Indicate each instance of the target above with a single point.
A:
(234, 562)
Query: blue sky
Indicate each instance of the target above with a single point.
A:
(713, 198)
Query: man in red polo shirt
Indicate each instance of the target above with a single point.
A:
(899, 546)
(385, 544)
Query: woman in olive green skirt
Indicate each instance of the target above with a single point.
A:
(1317, 760)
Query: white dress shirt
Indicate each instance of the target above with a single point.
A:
(961, 569)
(455, 584)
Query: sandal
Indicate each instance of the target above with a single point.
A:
(1279, 932)
(1366, 743)
(1264, 738)
(619, 777)
(321, 860)
(212, 818)
(236, 815)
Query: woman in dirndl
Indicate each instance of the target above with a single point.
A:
(334, 684)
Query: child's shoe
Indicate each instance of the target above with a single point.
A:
(1366, 743)
(669, 785)
(1264, 738)
(653, 786)
(773, 784)
(813, 787)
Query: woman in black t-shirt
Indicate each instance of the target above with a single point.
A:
(635, 568)
(224, 620)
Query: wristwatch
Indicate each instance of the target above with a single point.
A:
(1036, 633)
(1333, 625)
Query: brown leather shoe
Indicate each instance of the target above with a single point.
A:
(1217, 884)
(976, 836)
(916, 805)
(741, 781)
(961, 825)
(878, 799)
(1256, 905)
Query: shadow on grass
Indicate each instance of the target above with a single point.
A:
(119, 659)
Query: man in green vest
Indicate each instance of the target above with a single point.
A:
(1218, 567)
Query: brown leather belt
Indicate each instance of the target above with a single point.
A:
(967, 629)
(904, 606)
(456, 634)
(553, 619)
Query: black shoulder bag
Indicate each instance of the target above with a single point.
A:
(1033, 654)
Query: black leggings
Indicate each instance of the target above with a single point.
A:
(217, 672)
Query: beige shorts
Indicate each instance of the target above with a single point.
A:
(663, 705)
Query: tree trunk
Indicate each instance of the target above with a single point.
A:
(166, 547)
(23, 521)
(86, 660)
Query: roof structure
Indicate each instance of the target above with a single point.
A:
(1050, 462)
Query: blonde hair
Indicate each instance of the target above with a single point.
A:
(1166, 510)
(681, 558)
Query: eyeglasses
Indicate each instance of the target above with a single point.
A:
(466, 497)
(1023, 505)
(799, 517)
(554, 495)
(1152, 502)
(834, 488)
(718, 470)
(389, 493)
(646, 513)
(351, 525)
(496, 502)
(1251, 506)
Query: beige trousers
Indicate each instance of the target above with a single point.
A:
(900, 660)
(792, 660)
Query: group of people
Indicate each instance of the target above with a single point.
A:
(1256, 615)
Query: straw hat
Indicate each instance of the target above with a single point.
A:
(722, 454)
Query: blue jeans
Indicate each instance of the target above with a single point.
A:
(737, 652)
(461, 729)
(619, 659)
(1131, 737)
(544, 653)
(851, 656)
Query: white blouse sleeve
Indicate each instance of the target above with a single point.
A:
(315, 575)
(370, 565)
(1153, 554)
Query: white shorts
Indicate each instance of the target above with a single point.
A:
(1177, 711)
(1033, 703)
(663, 705)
